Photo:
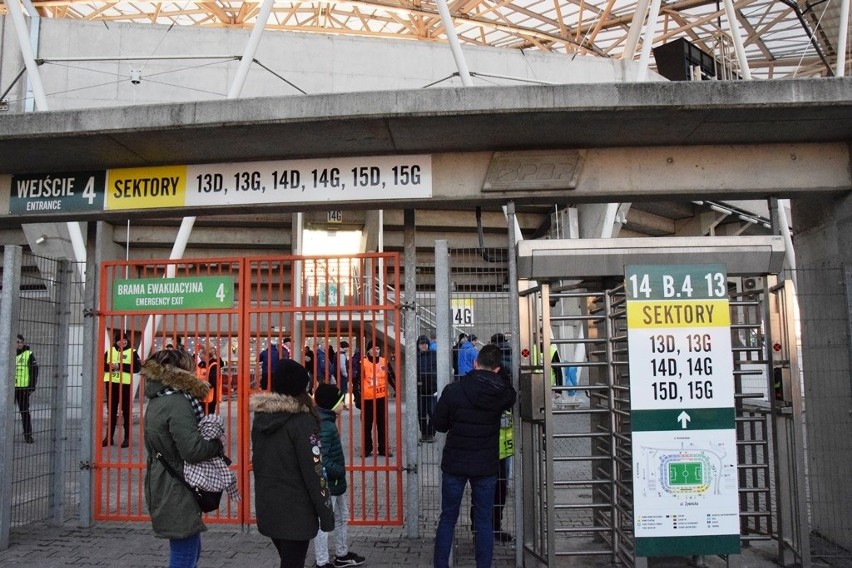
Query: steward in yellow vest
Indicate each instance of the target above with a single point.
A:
(26, 377)
(120, 363)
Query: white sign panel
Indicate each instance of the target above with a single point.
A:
(316, 180)
(681, 367)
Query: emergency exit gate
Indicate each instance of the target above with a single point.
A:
(577, 467)
(317, 302)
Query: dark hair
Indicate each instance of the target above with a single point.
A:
(344, 344)
(119, 335)
(489, 357)
(21, 338)
(173, 358)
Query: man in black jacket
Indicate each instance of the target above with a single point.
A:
(469, 410)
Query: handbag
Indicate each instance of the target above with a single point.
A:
(207, 500)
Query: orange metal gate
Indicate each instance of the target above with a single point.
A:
(315, 302)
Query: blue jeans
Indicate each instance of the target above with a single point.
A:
(482, 496)
(570, 380)
(185, 552)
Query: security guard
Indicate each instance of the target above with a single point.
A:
(26, 377)
(120, 363)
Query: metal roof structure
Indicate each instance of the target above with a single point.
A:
(782, 38)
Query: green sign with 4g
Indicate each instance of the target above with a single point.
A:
(165, 294)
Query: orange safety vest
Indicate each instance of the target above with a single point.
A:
(202, 373)
(374, 378)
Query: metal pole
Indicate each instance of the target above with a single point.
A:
(632, 40)
(91, 371)
(442, 314)
(443, 331)
(411, 415)
(738, 41)
(650, 31)
(251, 49)
(840, 67)
(296, 245)
(14, 9)
(10, 308)
(452, 37)
(515, 345)
(784, 226)
(60, 440)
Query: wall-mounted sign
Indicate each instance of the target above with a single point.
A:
(685, 490)
(378, 178)
(165, 294)
(462, 312)
(57, 193)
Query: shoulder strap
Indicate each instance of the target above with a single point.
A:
(172, 471)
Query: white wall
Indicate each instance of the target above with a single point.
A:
(315, 63)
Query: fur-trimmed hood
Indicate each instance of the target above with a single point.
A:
(273, 410)
(274, 402)
(158, 377)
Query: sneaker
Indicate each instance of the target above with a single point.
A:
(349, 559)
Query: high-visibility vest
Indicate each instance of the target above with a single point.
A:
(374, 378)
(554, 371)
(124, 358)
(203, 373)
(22, 369)
(507, 435)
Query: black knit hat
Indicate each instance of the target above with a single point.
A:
(422, 339)
(327, 396)
(289, 377)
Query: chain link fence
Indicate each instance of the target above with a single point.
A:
(46, 460)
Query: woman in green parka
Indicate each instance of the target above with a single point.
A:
(171, 430)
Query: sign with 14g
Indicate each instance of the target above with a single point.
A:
(315, 180)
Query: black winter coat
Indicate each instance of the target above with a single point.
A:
(427, 373)
(469, 410)
(290, 493)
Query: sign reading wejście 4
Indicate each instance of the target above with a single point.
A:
(164, 294)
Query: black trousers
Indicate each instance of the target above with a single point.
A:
(22, 399)
(425, 410)
(118, 393)
(374, 411)
(291, 552)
